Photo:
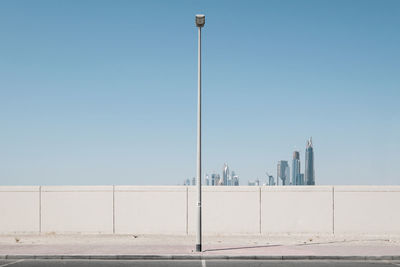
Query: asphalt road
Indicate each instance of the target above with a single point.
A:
(197, 263)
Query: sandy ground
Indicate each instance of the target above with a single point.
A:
(179, 244)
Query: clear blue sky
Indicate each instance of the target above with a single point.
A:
(104, 92)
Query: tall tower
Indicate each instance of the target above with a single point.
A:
(271, 180)
(296, 168)
(309, 175)
(283, 172)
(225, 174)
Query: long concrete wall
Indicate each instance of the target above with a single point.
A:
(226, 210)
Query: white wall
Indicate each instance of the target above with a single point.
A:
(87, 209)
(296, 209)
(367, 209)
(150, 209)
(19, 209)
(226, 210)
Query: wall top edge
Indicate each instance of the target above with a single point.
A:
(225, 188)
(367, 188)
(72, 188)
(337, 188)
(149, 188)
(316, 188)
(19, 188)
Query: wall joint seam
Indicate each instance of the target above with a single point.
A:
(187, 210)
(113, 210)
(40, 209)
(333, 210)
(260, 210)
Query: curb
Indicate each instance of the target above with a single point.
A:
(195, 257)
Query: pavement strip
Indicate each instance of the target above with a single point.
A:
(10, 263)
(203, 263)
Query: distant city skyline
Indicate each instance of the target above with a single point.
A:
(284, 177)
(103, 92)
(227, 178)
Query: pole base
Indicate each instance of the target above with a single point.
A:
(198, 247)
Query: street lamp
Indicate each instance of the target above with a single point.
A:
(200, 21)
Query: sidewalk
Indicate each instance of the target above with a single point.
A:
(147, 246)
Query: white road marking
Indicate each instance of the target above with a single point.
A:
(397, 264)
(203, 263)
(7, 264)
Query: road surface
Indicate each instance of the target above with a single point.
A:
(195, 263)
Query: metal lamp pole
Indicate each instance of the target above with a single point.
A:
(200, 20)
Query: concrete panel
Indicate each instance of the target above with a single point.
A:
(19, 209)
(226, 209)
(297, 209)
(82, 209)
(367, 209)
(150, 209)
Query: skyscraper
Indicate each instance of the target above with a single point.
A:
(213, 176)
(283, 172)
(271, 180)
(235, 180)
(302, 178)
(219, 180)
(215, 179)
(231, 178)
(309, 174)
(296, 168)
(225, 174)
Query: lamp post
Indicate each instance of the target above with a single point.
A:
(200, 20)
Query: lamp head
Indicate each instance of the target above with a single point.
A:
(200, 20)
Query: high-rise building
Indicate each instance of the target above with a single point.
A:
(207, 180)
(215, 179)
(296, 168)
(220, 181)
(283, 172)
(231, 179)
(301, 178)
(235, 180)
(225, 174)
(271, 180)
(309, 174)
